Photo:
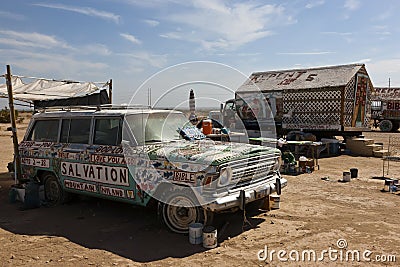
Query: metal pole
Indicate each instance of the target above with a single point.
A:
(17, 158)
(110, 91)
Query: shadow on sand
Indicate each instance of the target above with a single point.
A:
(129, 231)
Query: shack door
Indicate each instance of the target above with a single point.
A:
(360, 100)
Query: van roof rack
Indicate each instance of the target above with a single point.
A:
(97, 108)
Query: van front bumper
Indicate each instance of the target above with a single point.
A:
(251, 193)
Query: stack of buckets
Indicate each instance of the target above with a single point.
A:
(206, 235)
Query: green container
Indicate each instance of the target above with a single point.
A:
(12, 195)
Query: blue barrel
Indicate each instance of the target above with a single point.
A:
(32, 199)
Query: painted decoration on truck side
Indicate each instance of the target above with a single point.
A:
(35, 144)
(42, 163)
(112, 191)
(81, 186)
(96, 173)
(100, 158)
(109, 149)
(184, 177)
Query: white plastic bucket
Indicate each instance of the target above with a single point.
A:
(210, 237)
(346, 176)
(20, 194)
(274, 201)
(196, 233)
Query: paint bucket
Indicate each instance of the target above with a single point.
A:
(20, 194)
(195, 233)
(274, 201)
(354, 172)
(207, 127)
(210, 237)
(346, 176)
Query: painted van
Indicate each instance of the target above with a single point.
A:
(141, 156)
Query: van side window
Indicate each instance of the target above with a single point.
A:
(44, 131)
(75, 131)
(107, 131)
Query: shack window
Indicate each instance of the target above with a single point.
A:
(75, 131)
(44, 131)
(107, 132)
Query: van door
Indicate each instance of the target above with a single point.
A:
(75, 172)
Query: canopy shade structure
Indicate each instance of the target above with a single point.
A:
(45, 90)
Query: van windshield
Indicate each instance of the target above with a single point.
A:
(153, 127)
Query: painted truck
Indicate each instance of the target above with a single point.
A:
(326, 101)
(385, 109)
(144, 156)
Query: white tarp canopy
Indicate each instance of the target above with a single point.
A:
(42, 89)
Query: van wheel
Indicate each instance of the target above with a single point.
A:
(396, 126)
(386, 126)
(53, 192)
(181, 210)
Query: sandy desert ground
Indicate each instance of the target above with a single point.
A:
(314, 215)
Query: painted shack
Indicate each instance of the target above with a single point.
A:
(333, 100)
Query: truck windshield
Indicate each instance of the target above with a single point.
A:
(154, 127)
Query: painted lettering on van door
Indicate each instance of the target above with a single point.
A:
(45, 163)
(110, 191)
(99, 158)
(96, 173)
(80, 186)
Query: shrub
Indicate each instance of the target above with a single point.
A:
(5, 115)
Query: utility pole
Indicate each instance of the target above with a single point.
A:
(149, 97)
(17, 158)
(110, 88)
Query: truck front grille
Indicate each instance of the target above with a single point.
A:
(252, 169)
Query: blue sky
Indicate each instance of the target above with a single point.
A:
(131, 40)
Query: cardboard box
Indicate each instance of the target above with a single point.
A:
(304, 163)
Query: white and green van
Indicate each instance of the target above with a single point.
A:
(141, 156)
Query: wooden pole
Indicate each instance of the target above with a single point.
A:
(110, 91)
(17, 158)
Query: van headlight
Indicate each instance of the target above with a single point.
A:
(225, 176)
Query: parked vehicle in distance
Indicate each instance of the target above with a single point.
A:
(141, 156)
(385, 109)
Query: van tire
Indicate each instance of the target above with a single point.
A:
(385, 125)
(396, 126)
(180, 210)
(53, 191)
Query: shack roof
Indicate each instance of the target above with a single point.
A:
(321, 77)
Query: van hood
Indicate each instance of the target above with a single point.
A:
(207, 151)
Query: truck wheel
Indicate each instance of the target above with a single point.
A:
(386, 126)
(180, 211)
(396, 126)
(53, 192)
